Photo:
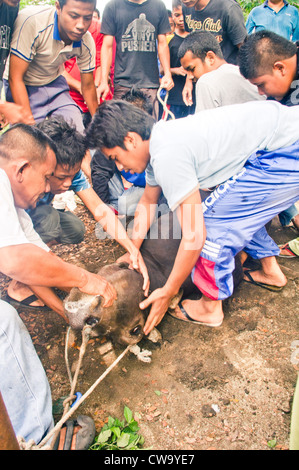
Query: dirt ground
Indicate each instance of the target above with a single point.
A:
(229, 388)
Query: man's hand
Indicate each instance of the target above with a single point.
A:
(12, 113)
(138, 264)
(135, 261)
(97, 285)
(167, 82)
(103, 91)
(160, 301)
(187, 92)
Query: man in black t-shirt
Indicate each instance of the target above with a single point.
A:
(139, 28)
(9, 112)
(175, 99)
(224, 19)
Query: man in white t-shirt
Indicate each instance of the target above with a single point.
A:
(248, 152)
(27, 161)
(218, 83)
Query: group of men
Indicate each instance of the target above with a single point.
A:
(245, 153)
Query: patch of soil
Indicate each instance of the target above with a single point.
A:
(224, 388)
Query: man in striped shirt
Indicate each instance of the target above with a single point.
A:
(44, 38)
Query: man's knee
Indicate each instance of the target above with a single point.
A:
(72, 228)
(46, 222)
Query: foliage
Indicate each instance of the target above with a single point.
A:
(25, 3)
(119, 435)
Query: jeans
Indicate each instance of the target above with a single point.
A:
(23, 382)
(286, 216)
(124, 200)
(52, 224)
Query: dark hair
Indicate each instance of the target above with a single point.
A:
(71, 145)
(139, 99)
(112, 122)
(261, 50)
(24, 138)
(200, 43)
(63, 2)
(176, 4)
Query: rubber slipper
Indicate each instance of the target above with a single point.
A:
(188, 319)
(70, 438)
(290, 252)
(261, 284)
(25, 303)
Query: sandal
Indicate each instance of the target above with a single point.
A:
(25, 303)
(77, 434)
(289, 252)
(269, 287)
(187, 318)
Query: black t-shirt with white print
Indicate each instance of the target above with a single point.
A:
(135, 28)
(224, 19)
(8, 15)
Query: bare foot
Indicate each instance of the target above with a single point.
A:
(204, 310)
(18, 291)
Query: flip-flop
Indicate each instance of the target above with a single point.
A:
(188, 319)
(81, 440)
(260, 284)
(290, 252)
(25, 303)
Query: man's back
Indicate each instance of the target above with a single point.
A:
(224, 86)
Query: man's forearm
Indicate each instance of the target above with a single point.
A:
(106, 61)
(164, 56)
(20, 96)
(144, 216)
(184, 263)
(89, 93)
(39, 268)
(107, 218)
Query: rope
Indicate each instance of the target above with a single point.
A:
(167, 111)
(68, 412)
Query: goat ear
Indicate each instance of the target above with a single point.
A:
(95, 303)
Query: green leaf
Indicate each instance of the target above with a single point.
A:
(116, 431)
(118, 423)
(123, 441)
(157, 392)
(272, 443)
(128, 414)
(104, 436)
(134, 426)
(110, 422)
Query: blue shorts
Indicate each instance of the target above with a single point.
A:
(52, 99)
(236, 214)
